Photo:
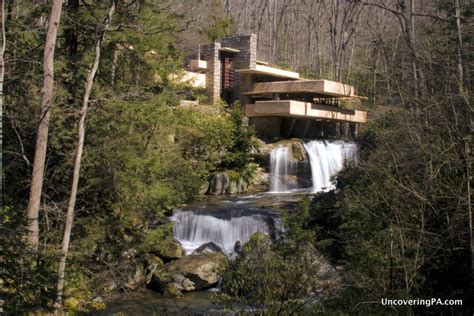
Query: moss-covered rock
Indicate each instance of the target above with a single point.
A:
(97, 304)
(260, 181)
(72, 304)
(161, 243)
(172, 291)
(133, 275)
(168, 249)
(153, 263)
(190, 273)
(219, 183)
(227, 182)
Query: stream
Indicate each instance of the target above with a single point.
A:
(228, 221)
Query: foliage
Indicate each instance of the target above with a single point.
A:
(203, 139)
(279, 277)
(387, 223)
(238, 154)
(142, 154)
(25, 282)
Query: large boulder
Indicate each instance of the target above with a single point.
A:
(190, 273)
(226, 182)
(219, 183)
(297, 151)
(168, 249)
(261, 152)
(204, 188)
(153, 263)
(133, 275)
(208, 248)
(260, 181)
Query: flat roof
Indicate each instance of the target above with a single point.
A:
(299, 109)
(270, 71)
(320, 87)
(229, 49)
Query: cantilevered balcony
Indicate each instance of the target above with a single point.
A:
(299, 109)
(309, 87)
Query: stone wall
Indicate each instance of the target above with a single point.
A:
(246, 58)
(210, 53)
(266, 127)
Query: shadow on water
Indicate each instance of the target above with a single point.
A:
(146, 302)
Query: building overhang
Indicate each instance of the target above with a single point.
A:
(229, 50)
(270, 71)
(298, 109)
(319, 87)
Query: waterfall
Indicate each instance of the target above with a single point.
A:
(281, 170)
(326, 159)
(193, 229)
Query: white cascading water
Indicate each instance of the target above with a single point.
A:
(281, 168)
(328, 158)
(193, 230)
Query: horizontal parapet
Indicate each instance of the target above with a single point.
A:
(298, 109)
(193, 79)
(319, 87)
(261, 69)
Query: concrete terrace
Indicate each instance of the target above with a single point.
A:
(274, 98)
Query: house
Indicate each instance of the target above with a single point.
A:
(278, 102)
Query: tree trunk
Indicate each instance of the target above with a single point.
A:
(43, 126)
(114, 64)
(77, 161)
(274, 32)
(467, 144)
(412, 35)
(460, 49)
(2, 75)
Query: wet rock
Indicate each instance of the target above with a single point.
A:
(297, 151)
(171, 291)
(190, 273)
(153, 264)
(238, 247)
(263, 151)
(207, 248)
(219, 183)
(226, 183)
(232, 188)
(168, 249)
(134, 276)
(260, 181)
(204, 188)
(241, 185)
(258, 247)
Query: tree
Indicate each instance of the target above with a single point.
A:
(2, 76)
(343, 18)
(286, 276)
(43, 125)
(78, 157)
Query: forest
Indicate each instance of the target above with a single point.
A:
(101, 159)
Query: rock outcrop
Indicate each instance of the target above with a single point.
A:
(190, 273)
(168, 249)
(208, 248)
(222, 183)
